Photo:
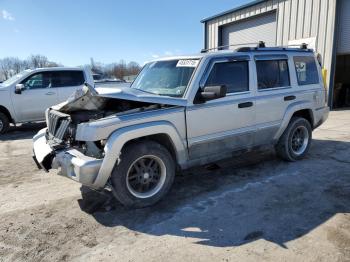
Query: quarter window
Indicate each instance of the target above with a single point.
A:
(234, 75)
(67, 78)
(306, 69)
(272, 74)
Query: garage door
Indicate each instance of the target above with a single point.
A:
(344, 27)
(252, 30)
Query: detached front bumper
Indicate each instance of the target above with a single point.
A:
(71, 163)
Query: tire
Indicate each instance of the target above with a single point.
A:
(145, 166)
(4, 123)
(295, 142)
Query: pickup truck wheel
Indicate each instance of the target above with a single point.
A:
(4, 123)
(144, 175)
(295, 141)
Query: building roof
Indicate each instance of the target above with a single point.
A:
(233, 10)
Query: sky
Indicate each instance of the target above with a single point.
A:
(70, 32)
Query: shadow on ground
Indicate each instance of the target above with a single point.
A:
(24, 131)
(236, 201)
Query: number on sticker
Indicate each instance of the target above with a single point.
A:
(187, 63)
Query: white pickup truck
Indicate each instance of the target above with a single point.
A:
(25, 96)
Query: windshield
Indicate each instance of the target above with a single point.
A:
(167, 78)
(13, 79)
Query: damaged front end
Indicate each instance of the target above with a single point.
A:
(57, 146)
(53, 142)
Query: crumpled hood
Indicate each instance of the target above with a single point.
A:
(127, 93)
(89, 98)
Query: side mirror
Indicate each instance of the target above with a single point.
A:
(213, 92)
(19, 88)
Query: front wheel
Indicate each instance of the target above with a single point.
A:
(4, 123)
(295, 141)
(144, 175)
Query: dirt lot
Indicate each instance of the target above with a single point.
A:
(253, 208)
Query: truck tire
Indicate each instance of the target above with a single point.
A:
(144, 175)
(295, 142)
(4, 123)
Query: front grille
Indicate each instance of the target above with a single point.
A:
(58, 123)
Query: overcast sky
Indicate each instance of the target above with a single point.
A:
(70, 32)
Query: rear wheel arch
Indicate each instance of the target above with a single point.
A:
(306, 114)
(298, 110)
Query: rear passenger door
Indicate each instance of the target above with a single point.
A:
(66, 82)
(274, 94)
(226, 124)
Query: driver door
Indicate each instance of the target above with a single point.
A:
(37, 95)
(226, 124)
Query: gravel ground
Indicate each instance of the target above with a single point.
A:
(251, 208)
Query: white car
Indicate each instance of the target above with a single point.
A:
(25, 96)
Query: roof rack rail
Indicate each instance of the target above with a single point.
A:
(224, 46)
(260, 47)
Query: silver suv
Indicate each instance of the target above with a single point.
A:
(181, 112)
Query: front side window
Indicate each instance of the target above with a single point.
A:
(234, 75)
(167, 78)
(67, 78)
(37, 81)
(272, 74)
(306, 69)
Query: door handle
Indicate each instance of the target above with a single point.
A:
(245, 104)
(50, 93)
(289, 98)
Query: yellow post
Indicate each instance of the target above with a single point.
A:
(324, 76)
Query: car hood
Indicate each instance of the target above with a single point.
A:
(90, 98)
(133, 94)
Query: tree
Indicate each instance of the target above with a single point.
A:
(10, 66)
(37, 61)
(133, 68)
(121, 69)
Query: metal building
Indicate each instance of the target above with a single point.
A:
(323, 24)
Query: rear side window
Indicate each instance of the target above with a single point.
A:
(234, 75)
(306, 69)
(272, 74)
(67, 78)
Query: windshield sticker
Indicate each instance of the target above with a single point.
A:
(187, 63)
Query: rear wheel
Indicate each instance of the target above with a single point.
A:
(144, 175)
(295, 141)
(4, 123)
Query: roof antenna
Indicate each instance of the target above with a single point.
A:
(261, 44)
(303, 46)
